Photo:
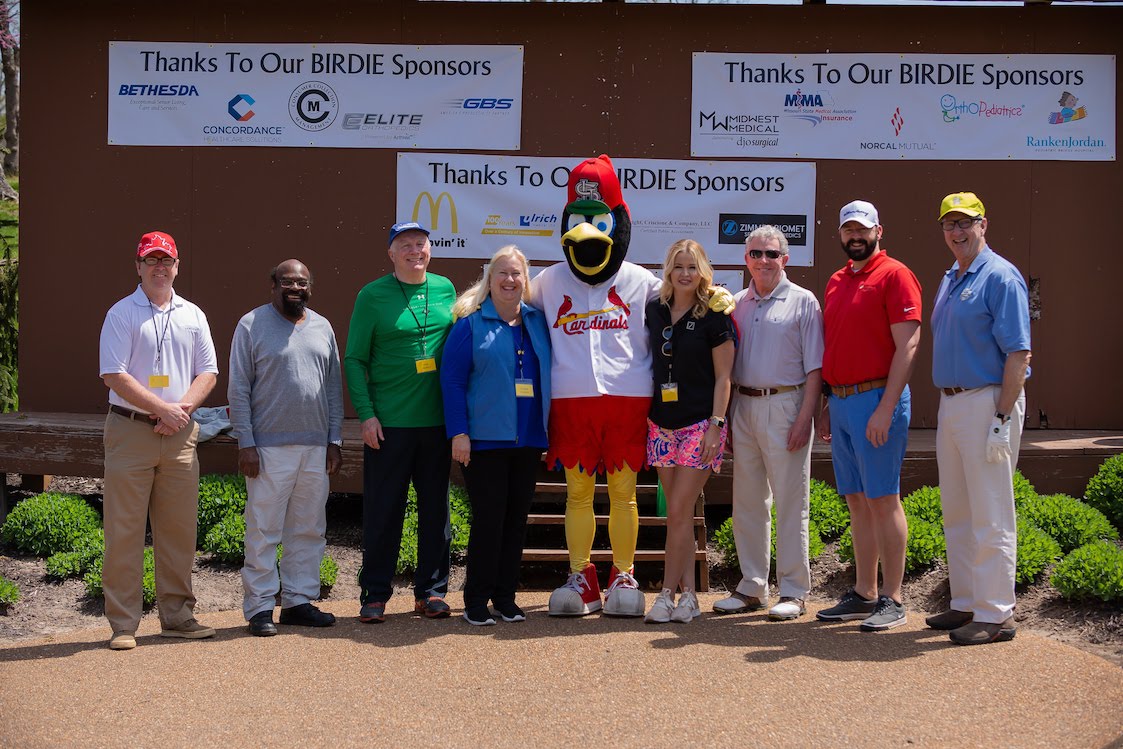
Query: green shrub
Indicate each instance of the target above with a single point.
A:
(1092, 571)
(1023, 490)
(9, 592)
(218, 497)
(828, 510)
(1068, 520)
(49, 523)
(93, 579)
(815, 545)
(66, 564)
(924, 503)
(1036, 551)
(329, 571)
(226, 540)
(925, 545)
(1105, 490)
(724, 542)
(460, 516)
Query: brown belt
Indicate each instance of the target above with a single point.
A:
(842, 391)
(953, 391)
(759, 392)
(128, 413)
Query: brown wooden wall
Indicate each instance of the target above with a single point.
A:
(609, 78)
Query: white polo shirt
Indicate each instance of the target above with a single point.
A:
(781, 336)
(128, 344)
(598, 336)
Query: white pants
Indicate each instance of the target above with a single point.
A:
(764, 470)
(285, 504)
(978, 502)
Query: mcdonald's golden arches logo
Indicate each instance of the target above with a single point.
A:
(435, 210)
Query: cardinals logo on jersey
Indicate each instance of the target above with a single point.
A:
(609, 318)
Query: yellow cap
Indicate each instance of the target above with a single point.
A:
(967, 203)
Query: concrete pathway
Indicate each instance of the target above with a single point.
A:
(721, 681)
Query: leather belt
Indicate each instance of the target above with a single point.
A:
(130, 414)
(760, 392)
(843, 391)
(953, 391)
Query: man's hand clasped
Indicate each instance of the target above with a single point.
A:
(998, 440)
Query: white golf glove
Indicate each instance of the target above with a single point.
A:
(998, 440)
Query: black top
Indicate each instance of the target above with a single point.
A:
(690, 364)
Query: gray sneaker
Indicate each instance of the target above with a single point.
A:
(850, 606)
(887, 615)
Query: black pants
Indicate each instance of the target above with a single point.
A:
(421, 455)
(500, 486)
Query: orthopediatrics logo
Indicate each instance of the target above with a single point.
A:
(313, 106)
(954, 110)
(239, 107)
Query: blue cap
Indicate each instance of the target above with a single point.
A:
(397, 229)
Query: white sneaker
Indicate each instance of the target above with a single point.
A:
(623, 598)
(687, 609)
(661, 610)
(786, 609)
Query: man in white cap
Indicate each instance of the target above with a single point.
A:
(981, 352)
(158, 361)
(871, 320)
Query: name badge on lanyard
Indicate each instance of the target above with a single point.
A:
(425, 364)
(669, 392)
(524, 388)
(159, 381)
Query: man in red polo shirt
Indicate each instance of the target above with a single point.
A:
(871, 326)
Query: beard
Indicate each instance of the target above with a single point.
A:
(858, 249)
(294, 307)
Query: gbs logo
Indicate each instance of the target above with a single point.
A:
(487, 103)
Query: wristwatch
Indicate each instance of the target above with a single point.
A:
(1001, 417)
(718, 421)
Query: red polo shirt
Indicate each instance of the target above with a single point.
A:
(859, 308)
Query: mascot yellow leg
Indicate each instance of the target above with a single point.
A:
(623, 597)
(581, 593)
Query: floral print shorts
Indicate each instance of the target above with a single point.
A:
(681, 447)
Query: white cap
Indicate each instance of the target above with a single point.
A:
(861, 211)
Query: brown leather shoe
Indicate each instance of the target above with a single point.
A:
(980, 633)
(738, 603)
(950, 619)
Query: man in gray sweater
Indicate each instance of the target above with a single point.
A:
(286, 406)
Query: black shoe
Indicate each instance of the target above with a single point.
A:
(261, 624)
(306, 615)
(510, 612)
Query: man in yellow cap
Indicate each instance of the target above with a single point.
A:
(981, 352)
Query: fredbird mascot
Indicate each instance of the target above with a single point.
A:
(601, 383)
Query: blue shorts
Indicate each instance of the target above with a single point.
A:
(858, 465)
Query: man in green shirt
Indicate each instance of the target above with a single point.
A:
(393, 361)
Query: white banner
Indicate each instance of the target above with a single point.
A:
(337, 95)
(886, 106)
(475, 204)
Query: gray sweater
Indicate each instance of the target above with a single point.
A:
(285, 382)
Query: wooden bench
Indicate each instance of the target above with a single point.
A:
(549, 487)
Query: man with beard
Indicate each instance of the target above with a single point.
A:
(158, 360)
(871, 319)
(286, 406)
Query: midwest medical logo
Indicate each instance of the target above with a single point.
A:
(954, 110)
(739, 123)
(239, 107)
(613, 317)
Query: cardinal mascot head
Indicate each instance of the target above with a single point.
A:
(596, 224)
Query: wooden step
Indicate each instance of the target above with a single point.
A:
(644, 520)
(604, 555)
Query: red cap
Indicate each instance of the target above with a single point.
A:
(156, 241)
(594, 180)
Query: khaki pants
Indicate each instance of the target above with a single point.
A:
(149, 476)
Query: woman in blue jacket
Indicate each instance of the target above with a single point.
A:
(495, 382)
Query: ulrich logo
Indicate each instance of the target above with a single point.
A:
(239, 107)
(313, 106)
(435, 210)
(614, 317)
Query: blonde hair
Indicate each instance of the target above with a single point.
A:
(705, 270)
(470, 301)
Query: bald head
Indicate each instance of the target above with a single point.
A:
(292, 287)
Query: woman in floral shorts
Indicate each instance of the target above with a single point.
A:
(692, 353)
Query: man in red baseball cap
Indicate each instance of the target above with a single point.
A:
(158, 361)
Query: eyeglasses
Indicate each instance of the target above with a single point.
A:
(151, 262)
(770, 254)
(667, 331)
(290, 283)
(963, 223)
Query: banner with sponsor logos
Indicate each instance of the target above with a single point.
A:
(336, 95)
(886, 106)
(474, 204)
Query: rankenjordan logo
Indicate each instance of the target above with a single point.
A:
(435, 210)
(576, 323)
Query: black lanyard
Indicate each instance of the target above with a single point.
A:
(160, 334)
(520, 348)
(420, 327)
